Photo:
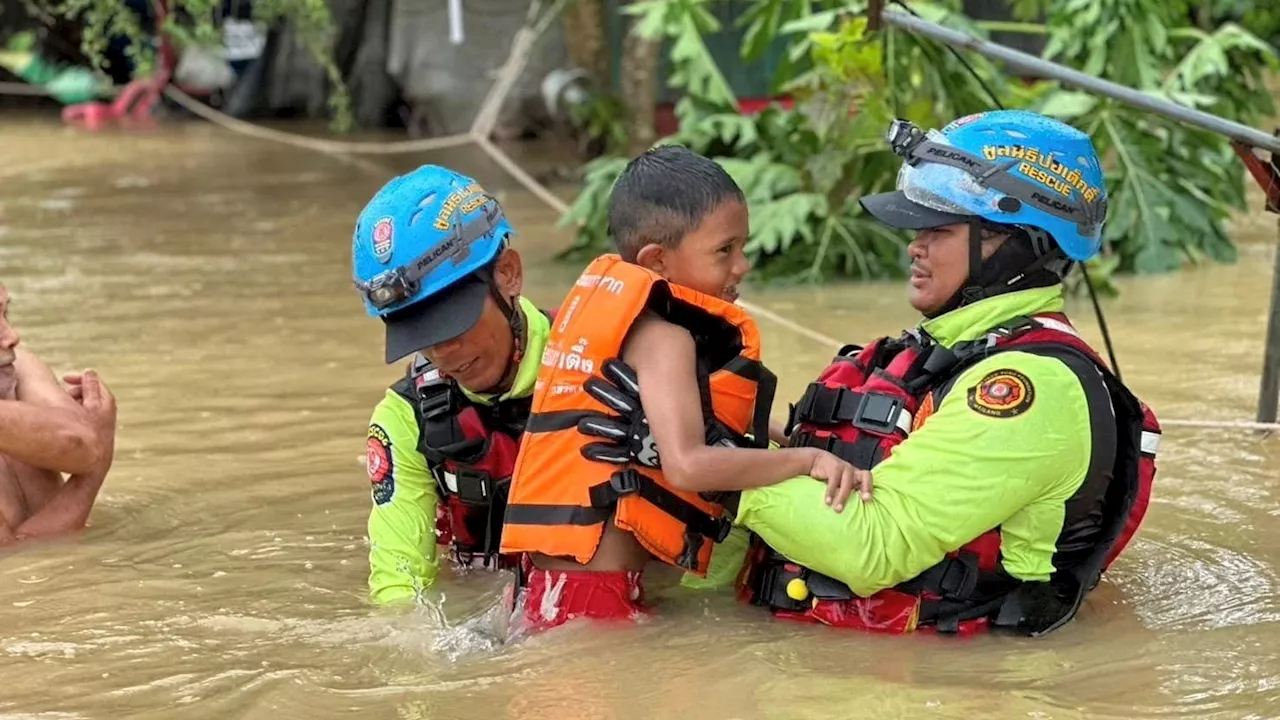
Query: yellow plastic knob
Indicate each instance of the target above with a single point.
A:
(797, 589)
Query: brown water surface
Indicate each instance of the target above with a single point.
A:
(207, 277)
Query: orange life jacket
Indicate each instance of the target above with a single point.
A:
(559, 499)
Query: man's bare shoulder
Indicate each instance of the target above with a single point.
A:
(37, 384)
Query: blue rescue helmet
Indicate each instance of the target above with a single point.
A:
(1011, 167)
(422, 254)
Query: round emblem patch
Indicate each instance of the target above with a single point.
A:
(1003, 393)
(383, 233)
(377, 457)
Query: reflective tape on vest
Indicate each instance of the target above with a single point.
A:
(905, 419)
(1057, 326)
(1150, 442)
(450, 481)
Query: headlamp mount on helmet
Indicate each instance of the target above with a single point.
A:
(903, 137)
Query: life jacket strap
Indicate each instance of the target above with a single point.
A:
(437, 404)
(630, 482)
(473, 487)
(863, 453)
(955, 578)
(868, 411)
(772, 575)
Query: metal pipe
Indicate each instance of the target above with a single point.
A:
(455, 22)
(16, 88)
(1269, 389)
(1044, 68)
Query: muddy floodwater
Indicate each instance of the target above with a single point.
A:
(208, 278)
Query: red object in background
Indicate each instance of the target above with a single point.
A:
(1266, 173)
(133, 105)
(664, 115)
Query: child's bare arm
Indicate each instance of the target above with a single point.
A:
(662, 355)
(778, 432)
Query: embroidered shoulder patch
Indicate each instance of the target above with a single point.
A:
(1003, 393)
(377, 456)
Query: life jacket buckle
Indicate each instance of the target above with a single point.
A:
(436, 404)
(878, 413)
(723, 527)
(473, 487)
(1018, 326)
(625, 482)
(771, 583)
(959, 577)
(791, 420)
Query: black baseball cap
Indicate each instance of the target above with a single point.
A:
(439, 318)
(896, 210)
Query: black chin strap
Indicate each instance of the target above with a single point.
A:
(996, 280)
(972, 292)
(516, 321)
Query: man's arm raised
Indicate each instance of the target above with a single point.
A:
(70, 508)
(45, 427)
(49, 438)
(37, 384)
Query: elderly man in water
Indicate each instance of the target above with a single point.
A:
(46, 431)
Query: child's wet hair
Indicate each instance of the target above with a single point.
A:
(663, 195)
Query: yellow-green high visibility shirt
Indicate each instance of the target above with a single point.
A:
(402, 523)
(960, 474)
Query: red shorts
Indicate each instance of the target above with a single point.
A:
(554, 597)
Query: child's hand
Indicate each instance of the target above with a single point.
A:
(841, 479)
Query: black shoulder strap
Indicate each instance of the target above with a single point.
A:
(943, 366)
(1097, 394)
(436, 403)
(1111, 407)
(766, 389)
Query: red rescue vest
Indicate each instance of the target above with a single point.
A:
(870, 399)
(471, 450)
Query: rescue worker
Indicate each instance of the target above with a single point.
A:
(1010, 465)
(432, 259)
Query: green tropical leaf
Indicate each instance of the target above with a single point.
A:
(776, 224)
(1170, 187)
(1068, 105)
